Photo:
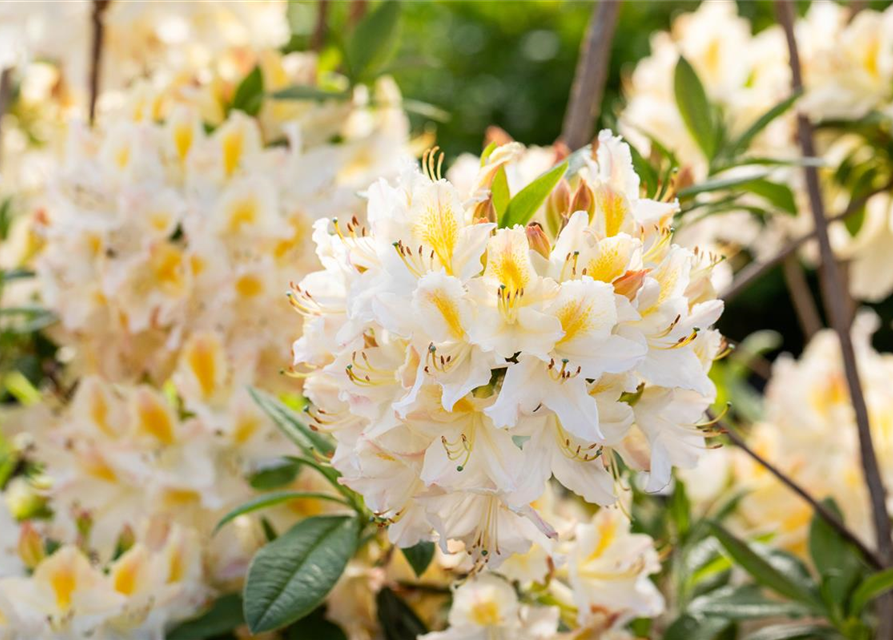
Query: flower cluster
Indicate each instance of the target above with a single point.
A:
(810, 433)
(847, 69)
(164, 241)
(460, 366)
(150, 583)
(597, 582)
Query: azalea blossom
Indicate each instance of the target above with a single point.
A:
(460, 366)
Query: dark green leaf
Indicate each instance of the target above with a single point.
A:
(794, 632)
(779, 195)
(289, 423)
(744, 140)
(679, 508)
(779, 574)
(646, 172)
(835, 558)
(276, 475)
(398, 621)
(309, 92)
(419, 556)
(292, 575)
(696, 111)
(687, 627)
(272, 499)
(525, 203)
(250, 93)
(499, 189)
(873, 586)
(315, 627)
(224, 615)
(743, 603)
(15, 274)
(374, 41)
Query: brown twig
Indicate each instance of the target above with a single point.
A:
(755, 270)
(801, 297)
(835, 300)
(357, 11)
(590, 75)
(826, 514)
(5, 96)
(99, 9)
(318, 39)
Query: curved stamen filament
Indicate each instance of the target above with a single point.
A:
(508, 302)
(686, 340)
(562, 374)
(573, 451)
(459, 450)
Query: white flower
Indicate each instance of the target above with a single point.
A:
(459, 367)
(609, 569)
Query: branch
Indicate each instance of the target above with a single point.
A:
(756, 270)
(99, 9)
(5, 96)
(590, 77)
(318, 39)
(801, 297)
(821, 510)
(835, 299)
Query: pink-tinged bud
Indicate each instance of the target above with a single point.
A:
(684, 179)
(557, 206)
(583, 200)
(629, 283)
(538, 240)
(497, 135)
(31, 549)
(484, 211)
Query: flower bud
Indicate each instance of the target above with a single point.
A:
(83, 521)
(629, 283)
(484, 211)
(583, 200)
(23, 501)
(126, 539)
(557, 206)
(538, 240)
(31, 550)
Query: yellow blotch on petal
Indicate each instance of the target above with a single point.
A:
(242, 213)
(576, 319)
(507, 260)
(153, 417)
(130, 571)
(607, 533)
(612, 207)
(438, 227)
(204, 359)
(485, 613)
(233, 145)
(167, 266)
(249, 286)
(609, 265)
(449, 310)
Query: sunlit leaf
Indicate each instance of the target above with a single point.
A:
(526, 202)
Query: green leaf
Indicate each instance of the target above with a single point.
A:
(743, 603)
(224, 615)
(288, 422)
(275, 475)
(425, 109)
(419, 556)
(779, 195)
(250, 93)
(836, 559)
(872, 587)
(696, 111)
(15, 274)
(522, 207)
(679, 508)
(776, 573)
(272, 499)
(292, 575)
(315, 627)
(718, 184)
(646, 172)
(374, 41)
(398, 621)
(743, 141)
(688, 627)
(793, 632)
(499, 189)
(488, 151)
(309, 92)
